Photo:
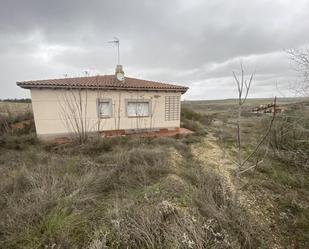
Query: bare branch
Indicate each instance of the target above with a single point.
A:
(264, 137)
(248, 86)
(74, 113)
(251, 167)
(300, 59)
(243, 91)
(237, 81)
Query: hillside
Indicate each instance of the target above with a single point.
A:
(159, 192)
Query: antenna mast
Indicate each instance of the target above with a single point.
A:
(116, 41)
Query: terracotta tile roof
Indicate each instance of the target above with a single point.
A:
(102, 82)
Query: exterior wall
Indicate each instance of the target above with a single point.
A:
(54, 108)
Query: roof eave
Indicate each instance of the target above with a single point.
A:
(28, 86)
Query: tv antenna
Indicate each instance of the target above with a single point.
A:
(86, 72)
(116, 42)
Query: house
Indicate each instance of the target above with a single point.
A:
(109, 104)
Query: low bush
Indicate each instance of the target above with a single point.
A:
(290, 140)
(195, 126)
(8, 121)
(18, 142)
(187, 113)
(130, 169)
(195, 121)
(93, 146)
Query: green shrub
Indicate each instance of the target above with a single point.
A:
(195, 126)
(62, 227)
(187, 113)
(195, 121)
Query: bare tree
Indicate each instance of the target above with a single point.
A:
(243, 87)
(153, 110)
(99, 96)
(300, 59)
(119, 111)
(74, 105)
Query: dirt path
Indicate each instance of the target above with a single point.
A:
(259, 202)
(210, 153)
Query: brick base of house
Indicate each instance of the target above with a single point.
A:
(157, 132)
(140, 132)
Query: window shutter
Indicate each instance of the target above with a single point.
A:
(172, 108)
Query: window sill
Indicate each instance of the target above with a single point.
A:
(138, 116)
(105, 117)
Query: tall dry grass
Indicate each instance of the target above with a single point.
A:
(115, 193)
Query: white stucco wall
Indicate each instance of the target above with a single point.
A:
(50, 110)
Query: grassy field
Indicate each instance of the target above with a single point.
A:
(227, 105)
(250, 101)
(159, 192)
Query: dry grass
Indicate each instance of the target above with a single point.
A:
(46, 197)
(114, 193)
(275, 193)
(148, 193)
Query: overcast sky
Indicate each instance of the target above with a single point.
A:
(197, 43)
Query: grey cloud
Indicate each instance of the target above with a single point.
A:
(196, 43)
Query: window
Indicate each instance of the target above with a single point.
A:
(104, 108)
(172, 108)
(138, 108)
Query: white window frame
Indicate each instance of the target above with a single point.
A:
(138, 101)
(98, 107)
